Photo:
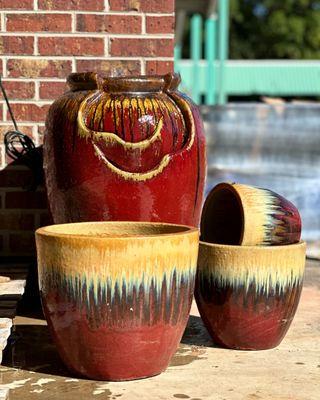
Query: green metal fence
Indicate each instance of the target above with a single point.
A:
(209, 77)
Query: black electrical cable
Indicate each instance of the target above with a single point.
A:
(20, 147)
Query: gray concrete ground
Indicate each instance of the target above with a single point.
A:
(33, 370)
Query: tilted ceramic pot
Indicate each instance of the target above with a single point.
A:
(117, 295)
(248, 295)
(128, 148)
(249, 216)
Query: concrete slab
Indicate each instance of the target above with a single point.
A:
(4, 394)
(198, 370)
(13, 287)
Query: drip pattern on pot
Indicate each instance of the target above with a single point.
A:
(270, 213)
(137, 146)
(124, 149)
(143, 288)
(148, 302)
(274, 276)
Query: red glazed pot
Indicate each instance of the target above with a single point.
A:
(129, 148)
(247, 295)
(117, 295)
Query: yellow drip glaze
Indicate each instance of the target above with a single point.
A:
(259, 206)
(134, 176)
(266, 267)
(112, 138)
(135, 261)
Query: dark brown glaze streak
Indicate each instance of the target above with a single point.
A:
(141, 306)
(253, 318)
(131, 119)
(122, 119)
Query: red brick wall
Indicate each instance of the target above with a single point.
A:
(41, 42)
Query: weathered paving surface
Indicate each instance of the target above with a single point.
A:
(12, 284)
(32, 368)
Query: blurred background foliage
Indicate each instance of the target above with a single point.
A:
(273, 29)
(266, 29)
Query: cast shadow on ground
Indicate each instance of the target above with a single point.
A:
(31, 348)
(196, 334)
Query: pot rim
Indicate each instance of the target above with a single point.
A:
(181, 230)
(123, 84)
(207, 208)
(244, 248)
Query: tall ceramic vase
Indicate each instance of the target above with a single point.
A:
(124, 148)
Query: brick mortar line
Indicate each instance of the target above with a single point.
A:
(83, 12)
(106, 46)
(159, 58)
(4, 67)
(34, 80)
(36, 102)
(3, 22)
(71, 58)
(143, 25)
(37, 12)
(5, 112)
(37, 91)
(35, 5)
(28, 124)
(160, 15)
(73, 23)
(115, 58)
(143, 66)
(35, 46)
(89, 35)
(38, 57)
(73, 65)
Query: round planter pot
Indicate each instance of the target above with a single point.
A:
(249, 216)
(124, 149)
(117, 295)
(248, 295)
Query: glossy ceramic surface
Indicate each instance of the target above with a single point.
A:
(247, 296)
(117, 295)
(129, 148)
(246, 215)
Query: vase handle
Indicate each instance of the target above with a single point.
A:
(84, 81)
(172, 81)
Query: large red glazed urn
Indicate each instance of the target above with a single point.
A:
(124, 148)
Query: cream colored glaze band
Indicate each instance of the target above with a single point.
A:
(135, 260)
(258, 208)
(241, 265)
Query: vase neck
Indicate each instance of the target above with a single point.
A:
(124, 84)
